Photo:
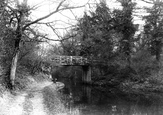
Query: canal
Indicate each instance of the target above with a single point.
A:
(80, 99)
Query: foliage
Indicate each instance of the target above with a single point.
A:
(108, 36)
(153, 28)
(93, 36)
(17, 31)
(103, 35)
(52, 101)
(144, 65)
(8, 39)
(124, 25)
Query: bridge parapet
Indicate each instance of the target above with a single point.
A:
(69, 60)
(73, 61)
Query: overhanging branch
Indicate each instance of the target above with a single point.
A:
(50, 14)
(149, 2)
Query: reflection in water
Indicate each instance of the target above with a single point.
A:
(84, 100)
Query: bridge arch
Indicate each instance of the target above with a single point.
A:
(74, 61)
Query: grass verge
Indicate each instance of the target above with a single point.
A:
(52, 101)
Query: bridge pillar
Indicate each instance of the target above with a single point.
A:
(87, 71)
(87, 94)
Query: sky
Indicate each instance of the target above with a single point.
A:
(64, 19)
(68, 18)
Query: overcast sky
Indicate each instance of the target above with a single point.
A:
(46, 6)
(64, 19)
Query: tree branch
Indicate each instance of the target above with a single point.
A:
(54, 30)
(147, 1)
(61, 38)
(52, 39)
(153, 2)
(50, 14)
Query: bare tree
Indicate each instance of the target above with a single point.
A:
(21, 24)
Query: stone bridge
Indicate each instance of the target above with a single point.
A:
(69, 60)
(74, 61)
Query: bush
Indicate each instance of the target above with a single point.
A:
(143, 63)
(52, 101)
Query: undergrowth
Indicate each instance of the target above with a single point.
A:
(52, 101)
(55, 104)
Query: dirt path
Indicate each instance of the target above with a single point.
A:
(29, 102)
(33, 105)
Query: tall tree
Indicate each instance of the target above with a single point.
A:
(1, 24)
(5, 34)
(124, 25)
(20, 24)
(154, 27)
(94, 36)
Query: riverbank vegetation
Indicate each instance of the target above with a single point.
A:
(122, 54)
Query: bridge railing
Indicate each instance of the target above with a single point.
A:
(68, 60)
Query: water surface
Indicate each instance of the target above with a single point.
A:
(86, 100)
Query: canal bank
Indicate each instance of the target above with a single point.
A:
(96, 100)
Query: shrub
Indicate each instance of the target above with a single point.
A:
(52, 101)
(143, 63)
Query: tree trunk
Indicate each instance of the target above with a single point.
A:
(13, 68)
(158, 50)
